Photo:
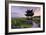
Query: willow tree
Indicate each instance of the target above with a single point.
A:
(29, 14)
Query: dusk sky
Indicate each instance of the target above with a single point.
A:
(19, 11)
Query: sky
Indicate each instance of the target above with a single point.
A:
(20, 11)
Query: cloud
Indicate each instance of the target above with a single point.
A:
(19, 11)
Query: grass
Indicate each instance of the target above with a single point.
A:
(21, 22)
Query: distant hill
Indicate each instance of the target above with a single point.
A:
(37, 16)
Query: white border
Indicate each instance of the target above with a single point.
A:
(25, 29)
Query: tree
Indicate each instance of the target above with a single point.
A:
(29, 14)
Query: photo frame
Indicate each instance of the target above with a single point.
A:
(24, 17)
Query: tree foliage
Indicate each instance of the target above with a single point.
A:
(29, 13)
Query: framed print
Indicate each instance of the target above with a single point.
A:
(24, 17)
